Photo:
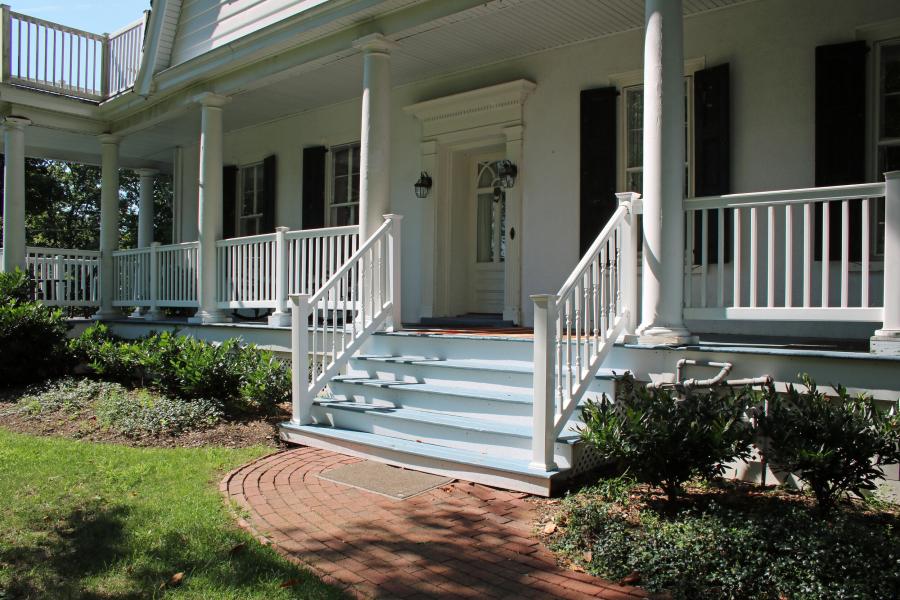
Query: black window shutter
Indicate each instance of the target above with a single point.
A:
(598, 163)
(268, 194)
(840, 137)
(314, 187)
(229, 200)
(712, 154)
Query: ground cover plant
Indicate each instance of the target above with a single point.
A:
(84, 521)
(729, 542)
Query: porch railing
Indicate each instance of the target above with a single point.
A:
(806, 254)
(157, 276)
(575, 328)
(64, 277)
(52, 57)
(357, 299)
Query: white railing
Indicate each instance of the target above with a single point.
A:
(64, 277)
(157, 276)
(125, 49)
(260, 271)
(327, 327)
(52, 57)
(782, 261)
(575, 329)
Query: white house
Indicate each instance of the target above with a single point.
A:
(638, 180)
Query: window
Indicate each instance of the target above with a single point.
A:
(250, 215)
(634, 137)
(490, 226)
(887, 127)
(343, 205)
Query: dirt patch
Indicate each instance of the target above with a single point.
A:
(260, 431)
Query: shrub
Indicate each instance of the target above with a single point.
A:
(773, 550)
(836, 446)
(243, 378)
(15, 287)
(32, 342)
(665, 441)
(71, 396)
(140, 414)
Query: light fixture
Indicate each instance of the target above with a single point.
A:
(507, 173)
(423, 185)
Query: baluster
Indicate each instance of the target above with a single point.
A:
(754, 257)
(688, 274)
(559, 357)
(736, 300)
(704, 255)
(845, 253)
(576, 301)
(788, 255)
(595, 298)
(807, 254)
(864, 291)
(569, 380)
(770, 258)
(826, 249)
(613, 257)
(604, 293)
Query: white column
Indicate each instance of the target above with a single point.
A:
(210, 206)
(14, 193)
(281, 317)
(663, 261)
(375, 134)
(887, 339)
(109, 222)
(145, 207)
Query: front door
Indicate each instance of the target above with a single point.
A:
(488, 243)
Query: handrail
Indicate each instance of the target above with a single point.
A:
(247, 239)
(781, 197)
(329, 326)
(302, 234)
(575, 329)
(61, 251)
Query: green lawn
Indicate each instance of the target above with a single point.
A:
(84, 520)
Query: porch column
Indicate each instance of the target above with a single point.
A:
(210, 206)
(887, 339)
(145, 207)
(375, 134)
(14, 193)
(663, 261)
(109, 222)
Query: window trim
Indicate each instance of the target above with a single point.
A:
(329, 181)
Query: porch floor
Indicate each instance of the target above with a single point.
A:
(457, 540)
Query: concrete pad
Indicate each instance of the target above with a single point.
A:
(385, 480)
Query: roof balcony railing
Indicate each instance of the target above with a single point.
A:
(47, 56)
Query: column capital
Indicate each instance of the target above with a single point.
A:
(375, 43)
(147, 172)
(12, 122)
(211, 100)
(108, 138)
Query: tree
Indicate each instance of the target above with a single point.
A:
(62, 205)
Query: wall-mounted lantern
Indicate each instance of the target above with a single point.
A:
(507, 173)
(423, 185)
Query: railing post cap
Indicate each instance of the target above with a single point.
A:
(298, 298)
(282, 229)
(891, 175)
(393, 217)
(543, 299)
(155, 244)
(625, 197)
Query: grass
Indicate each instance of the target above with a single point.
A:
(82, 520)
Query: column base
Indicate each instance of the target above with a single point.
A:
(137, 314)
(662, 336)
(106, 315)
(885, 342)
(204, 317)
(280, 319)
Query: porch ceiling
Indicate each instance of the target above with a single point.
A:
(496, 31)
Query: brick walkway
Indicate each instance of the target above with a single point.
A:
(458, 541)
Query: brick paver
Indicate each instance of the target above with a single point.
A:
(458, 541)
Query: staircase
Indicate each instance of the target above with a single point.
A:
(456, 405)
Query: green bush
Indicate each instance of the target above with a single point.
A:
(243, 378)
(140, 414)
(15, 287)
(665, 441)
(770, 551)
(835, 446)
(32, 343)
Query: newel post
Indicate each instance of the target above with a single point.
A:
(394, 268)
(281, 318)
(5, 42)
(154, 313)
(301, 413)
(628, 259)
(887, 339)
(543, 425)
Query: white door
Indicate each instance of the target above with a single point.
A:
(488, 242)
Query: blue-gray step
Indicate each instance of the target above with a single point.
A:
(498, 471)
(478, 436)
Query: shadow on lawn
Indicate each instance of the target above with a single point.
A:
(89, 548)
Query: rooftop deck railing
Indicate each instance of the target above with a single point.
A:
(48, 56)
